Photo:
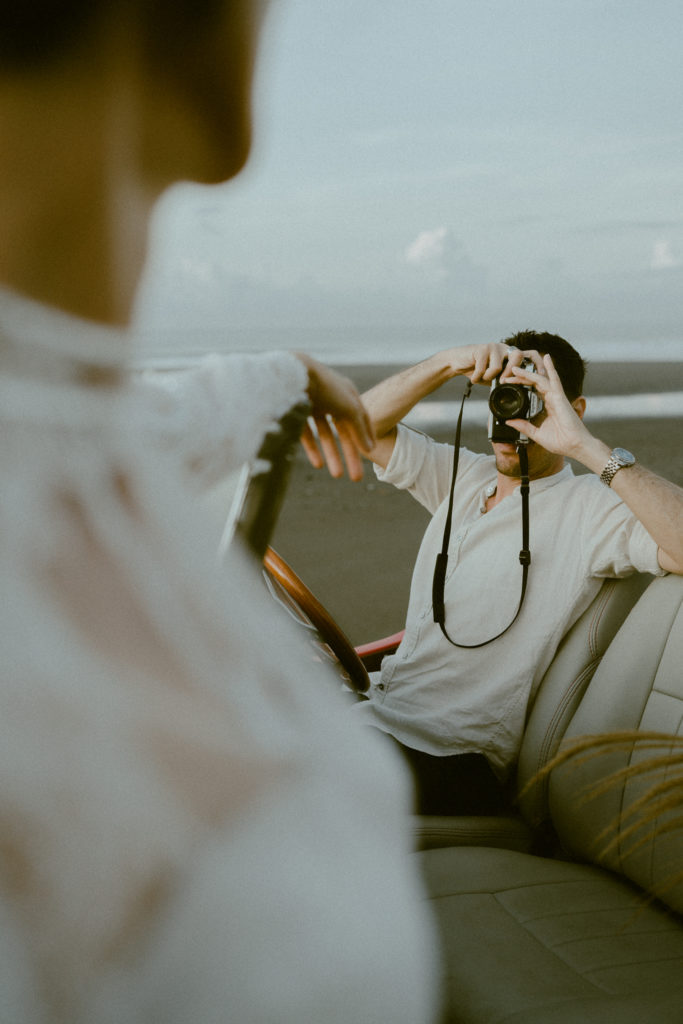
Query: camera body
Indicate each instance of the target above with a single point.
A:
(509, 401)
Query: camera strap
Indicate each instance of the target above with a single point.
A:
(439, 580)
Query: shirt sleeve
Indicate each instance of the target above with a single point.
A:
(215, 415)
(615, 542)
(423, 466)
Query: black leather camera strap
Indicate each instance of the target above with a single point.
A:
(439, 580)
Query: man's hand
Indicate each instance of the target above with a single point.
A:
(338, 421)
(481, 363)
(559, 428)
(656, 502)
(391, 400)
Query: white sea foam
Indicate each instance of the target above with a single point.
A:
(601, 407)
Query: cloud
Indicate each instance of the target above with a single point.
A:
(428, 249)
(438, 260)
(663, 257)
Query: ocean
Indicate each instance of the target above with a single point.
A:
(175, 349)
(378, 345)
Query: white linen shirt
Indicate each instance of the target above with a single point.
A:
(445, 700)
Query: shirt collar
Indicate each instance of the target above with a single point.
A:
(535, 486)
(549, 481)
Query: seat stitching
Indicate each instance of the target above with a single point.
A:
(551, 951)
(591, 974)
(597, 618)
(591, 913)
(632, 934)
(497, 892)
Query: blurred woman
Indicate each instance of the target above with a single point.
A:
(190, 829)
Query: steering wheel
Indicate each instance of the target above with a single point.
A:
(300, 602)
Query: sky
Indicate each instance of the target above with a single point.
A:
(431, 172)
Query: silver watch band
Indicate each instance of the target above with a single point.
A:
(610, 471)
(619, 459)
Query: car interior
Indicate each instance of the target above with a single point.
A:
(569, 907)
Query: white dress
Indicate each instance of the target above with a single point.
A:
(192, 829)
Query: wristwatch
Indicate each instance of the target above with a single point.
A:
(619, 459)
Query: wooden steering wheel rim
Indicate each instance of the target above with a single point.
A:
(330, 633)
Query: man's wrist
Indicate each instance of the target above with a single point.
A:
(593, 454)
(429, 375)
(445, 365)
(457, 361)
(619, 459)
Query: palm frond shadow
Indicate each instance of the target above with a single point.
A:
(653, 813)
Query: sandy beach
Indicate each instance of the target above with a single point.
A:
(354, 544)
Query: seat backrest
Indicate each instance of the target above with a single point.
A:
(565, 683)
(637, 686)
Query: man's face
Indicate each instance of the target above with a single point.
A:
(541, 462)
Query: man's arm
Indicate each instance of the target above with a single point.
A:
(388, 402)
(657, 503)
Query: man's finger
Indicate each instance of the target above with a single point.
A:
(514, 357)
(538, 381)
(481, 361)
(553, 375)
(493, 367)
(524, 427)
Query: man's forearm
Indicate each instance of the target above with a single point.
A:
(657, 503)
(387, 403)
(392, 399)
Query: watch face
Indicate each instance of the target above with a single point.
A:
(625, 457)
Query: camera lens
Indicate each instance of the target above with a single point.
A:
(508, 401)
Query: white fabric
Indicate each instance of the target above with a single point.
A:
(192, 830)
(446, 700)
(214, 415)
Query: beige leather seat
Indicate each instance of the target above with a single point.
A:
(533, 940)
(551, 709)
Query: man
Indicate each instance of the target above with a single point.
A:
(458, 711)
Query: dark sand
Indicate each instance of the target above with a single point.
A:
(355, 544)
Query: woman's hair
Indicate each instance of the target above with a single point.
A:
(36, 33)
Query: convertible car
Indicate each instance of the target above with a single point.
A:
(569, 907)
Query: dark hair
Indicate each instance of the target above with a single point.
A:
(570, 367)
(35, 33)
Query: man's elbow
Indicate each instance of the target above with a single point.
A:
(669, 563)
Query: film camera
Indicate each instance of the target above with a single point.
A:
(510, 402)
